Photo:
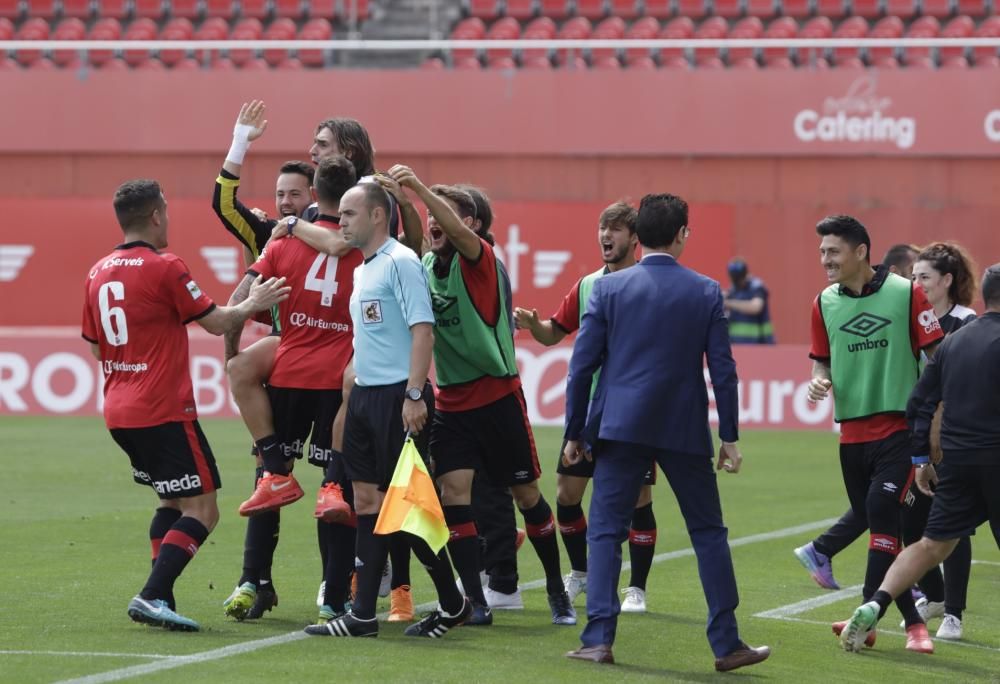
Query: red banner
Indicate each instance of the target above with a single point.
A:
(51, 372)
(909, 112)
(546, 247)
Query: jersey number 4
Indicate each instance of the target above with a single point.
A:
(113, 317)
(327, 287)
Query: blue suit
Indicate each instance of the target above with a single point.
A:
(649, 329)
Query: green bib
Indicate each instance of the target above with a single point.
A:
(586, 287)
(466, 348)
(871, 353)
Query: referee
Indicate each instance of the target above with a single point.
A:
(965, 375)
(393, 339)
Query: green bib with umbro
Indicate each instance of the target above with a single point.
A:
(872, 362)
(466, 348)
(586, 287)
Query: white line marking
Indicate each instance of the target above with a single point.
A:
(937, 642)
(89, 654)
(810, 603)
(979, 562)
(247, 646)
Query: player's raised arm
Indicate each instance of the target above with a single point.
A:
(413, 225)
(330, 242)
(250, 125)
(459, 233)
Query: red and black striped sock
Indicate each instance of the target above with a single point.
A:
(642, 545)
(541, 529)
(463, 547)
(573, 529)
(178, 548)
(163, 520)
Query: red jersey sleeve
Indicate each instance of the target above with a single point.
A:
(189, 301)
(482, 282)
(568, 315)
(819, 349)
(89, 326)
(264, 266)
(925, 329)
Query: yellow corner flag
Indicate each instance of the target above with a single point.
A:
(411, 504)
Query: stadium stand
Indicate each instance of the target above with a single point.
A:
(114, 20)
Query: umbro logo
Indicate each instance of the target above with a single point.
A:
(442, 303)
(12, 260)
(865, 324)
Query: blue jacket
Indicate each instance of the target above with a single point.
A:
(649, 329)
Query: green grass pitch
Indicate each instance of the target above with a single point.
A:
(74, 550)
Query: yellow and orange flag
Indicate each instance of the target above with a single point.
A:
(411, 504)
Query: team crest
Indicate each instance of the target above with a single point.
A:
(371, 311)
(193, 288)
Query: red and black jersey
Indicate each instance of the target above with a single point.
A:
(136, 306)
(316, 336)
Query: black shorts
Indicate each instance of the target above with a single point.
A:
(585, 468)
(495, 439)
(299, 413)
(966, 496)
(881, 467)
(174, 458)
(373, 434)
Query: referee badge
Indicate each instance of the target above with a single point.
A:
(371, 311)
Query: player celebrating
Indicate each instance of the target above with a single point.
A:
(479, 421)
(617, 239)
(138, 302)
(868, 328)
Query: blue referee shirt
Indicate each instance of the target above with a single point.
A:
(390, 295)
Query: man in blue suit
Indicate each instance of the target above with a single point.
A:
(648, 329)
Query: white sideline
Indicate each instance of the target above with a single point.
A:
(88, 654)
(896, 632)
(248, 646)
(808, 604)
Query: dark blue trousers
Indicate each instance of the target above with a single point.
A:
(618, 475)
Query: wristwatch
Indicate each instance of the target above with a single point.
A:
(414, 394)
(291, 224)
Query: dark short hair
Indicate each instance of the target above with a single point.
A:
(354, 143)
(661, 218)
(462, 199)
(619, 213)
(334, 176)
(299, 167)
(991, 286)
(484, 210)
(900, 256)
(375, 197)
(135, 201)
(848, 229)
(949, 257)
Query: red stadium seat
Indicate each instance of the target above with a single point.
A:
(432, 64)
(223, 64)
(259, 9)
(955, 63)
(850, 63)
(886, 63)
(658, 9)
(279, 29)
(889, 27)
(10, 9)
(468, 64)
(186, 9)
(765, 9)
(746, 63)
(359, 6)
(315, 29)
(729, 9)
(987, 62)
(321, 9)
(779, 63)
(68, 29)
(574, 63)
(501, 62)
(484, 9)
(8, 64)
(607, 64)
(750, 27)
(148, 8)
(41, 64)
(924, 27)
(612, 28)
(990, 28)
(592, 9)
(79, 9)
(696, 9)
(292, 9)
(904, 9)
(935, 8)
(972, 8)
(45, 9)
(114, 64)
(959, 27)
(140, 29)
(919, 62)
(187, 64)
(537, 63)
(176, 29)
(472, 28)
(835, 9)
(104, 29)
(710, 63)
(219, 8)
(256, 64)
(626, 9)
(6, 31)
(680, 28)
(799, 9)
(869, 9)
(854, 27)
(502, 29)
(644, 63)
(817, 27)
(556, 9)
(676, 63)
(246, 29)
(34, 28)
(115, 9)
(781, 28)
(537, 31)
(151, 65)
(710, 29)
(644, 29)
(522, 10)
(542, 26)
(213, 28)
(290, 64)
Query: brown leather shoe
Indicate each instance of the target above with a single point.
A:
(741, 657)
(595, 654)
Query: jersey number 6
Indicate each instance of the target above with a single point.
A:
(113, 316)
